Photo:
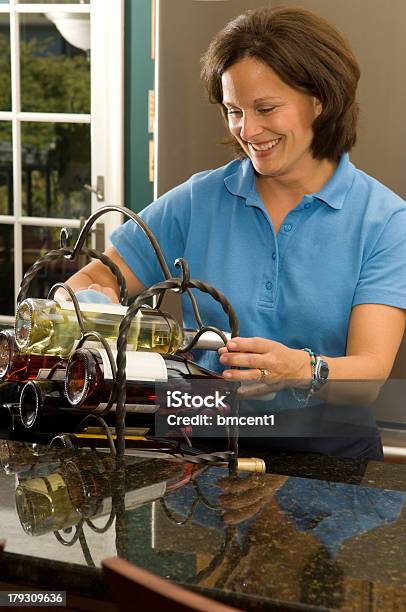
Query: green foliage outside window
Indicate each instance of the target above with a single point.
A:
(50, 83)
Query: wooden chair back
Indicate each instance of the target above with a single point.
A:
(133, 586)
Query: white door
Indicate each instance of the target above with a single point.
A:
(61, 127)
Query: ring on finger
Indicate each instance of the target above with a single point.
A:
(264, 374)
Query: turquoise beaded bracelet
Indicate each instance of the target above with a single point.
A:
(296, 394)
(313, 368)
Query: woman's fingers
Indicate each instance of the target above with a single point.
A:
(250, 345)
(242, 360)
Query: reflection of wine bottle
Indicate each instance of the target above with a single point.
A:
(43, 505)
(19, 457)
(45, 326)
(19, 367)
(14, 425)
(30, 459)
(84, 487)
(89, 378)
(91, 487)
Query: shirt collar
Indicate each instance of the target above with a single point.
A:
(241, 183)
(337, 187)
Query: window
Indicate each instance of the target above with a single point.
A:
(61, 118)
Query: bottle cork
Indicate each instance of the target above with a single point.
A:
(251, 464)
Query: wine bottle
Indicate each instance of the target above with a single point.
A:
(48, 327)
(89, 378)
(42, 404)
(20, 367)
(43, 407)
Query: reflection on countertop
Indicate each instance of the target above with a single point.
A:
(313, 531)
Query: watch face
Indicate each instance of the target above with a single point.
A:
(324, 370)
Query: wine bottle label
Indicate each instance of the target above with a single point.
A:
(141, 366)
(115, 309)
(136, 498)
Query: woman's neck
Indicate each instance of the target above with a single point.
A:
(293, 186)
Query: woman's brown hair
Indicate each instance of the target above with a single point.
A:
(308, 54)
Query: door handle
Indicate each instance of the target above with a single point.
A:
(98, 190)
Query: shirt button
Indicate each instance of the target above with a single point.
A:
(269, 285)
(287, 227)
(307, 205)
(274, 256)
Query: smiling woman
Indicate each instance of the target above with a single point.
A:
(273, 124)
(308, 249)
(307, 54)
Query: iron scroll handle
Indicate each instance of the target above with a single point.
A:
(66, 253)
(131, 215)
(72, 254)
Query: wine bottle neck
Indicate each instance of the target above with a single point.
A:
(85, 375)
(208, 341)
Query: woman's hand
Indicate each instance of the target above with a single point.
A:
(62, 295)
(270, 365)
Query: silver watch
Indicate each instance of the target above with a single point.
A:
(321, 372)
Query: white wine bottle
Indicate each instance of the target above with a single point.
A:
(48, 327)
(45, 326)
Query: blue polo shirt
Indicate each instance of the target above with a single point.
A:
(342, 246)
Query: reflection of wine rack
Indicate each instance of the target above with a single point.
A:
(63, 492)
(80, 487)
(182, 284)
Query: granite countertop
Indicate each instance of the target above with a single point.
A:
(312, 533)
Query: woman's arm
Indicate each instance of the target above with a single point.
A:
(374, 337)
(96, 275)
